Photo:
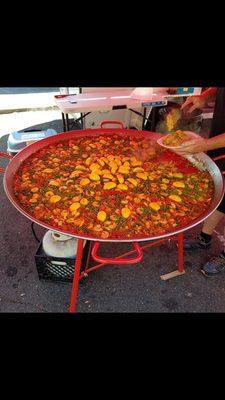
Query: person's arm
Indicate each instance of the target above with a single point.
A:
(216, 142)
(203, 145)
(194, 102)
(209, 92)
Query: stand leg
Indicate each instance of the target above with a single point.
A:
(153, 124)
(88, 257)
(180, 269)
(144, 118)
(180, 252)
(63, 122)
(67, 123)
(76, 276)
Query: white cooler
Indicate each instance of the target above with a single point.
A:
(18, 140)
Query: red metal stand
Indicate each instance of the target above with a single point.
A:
(180, 252)
(76, 277)
(4, 155)
(121, 260)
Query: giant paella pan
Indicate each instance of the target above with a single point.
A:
(111, 185)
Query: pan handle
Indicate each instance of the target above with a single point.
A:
(5, 155)
(117, 260)
(112, 122)
(219, 158)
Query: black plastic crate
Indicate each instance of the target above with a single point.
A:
(57, 269)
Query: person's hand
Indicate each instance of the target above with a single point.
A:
(193, 146)
(192, 103)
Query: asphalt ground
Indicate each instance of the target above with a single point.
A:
(133, 288)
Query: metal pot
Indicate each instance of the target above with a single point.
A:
(25, 153)
(187, 122)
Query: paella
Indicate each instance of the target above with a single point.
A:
(112, 186)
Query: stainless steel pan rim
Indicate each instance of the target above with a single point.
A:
(22, 155)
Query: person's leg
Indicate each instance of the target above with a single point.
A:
(211, 222)
(203, 240)
(216, 265)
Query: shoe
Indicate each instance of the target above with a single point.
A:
(197, 243)
(215, 266)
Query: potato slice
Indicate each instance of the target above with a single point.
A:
(84, 182)
(76, 199)
(49, 194)
(136, 163)
(176, 198)
(178, 175)
(108, 176)
(110, 158)
(133, 181)
(120, 178)
(101, 216)
(114, 169)
(179, 184)
(80, 168)
(94, 176)
(122, 186)
(64, 214)
(84, 202)
(94, 167)
(109, 185)
(88, 161)
(156, 217)
(54, 183)
(47, 170)
(163, 186)
(138, 169)
(118, 162)
(75, 173)
(125, 212)
(101, 162)
(113, 164)
(154, 205)
(123, 170)
(142, 175)
(55, 199)
(106, 161)
(74, 206)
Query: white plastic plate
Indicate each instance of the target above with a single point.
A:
(192, 135)
(192, 158)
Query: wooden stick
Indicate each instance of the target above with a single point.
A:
(172, 274)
